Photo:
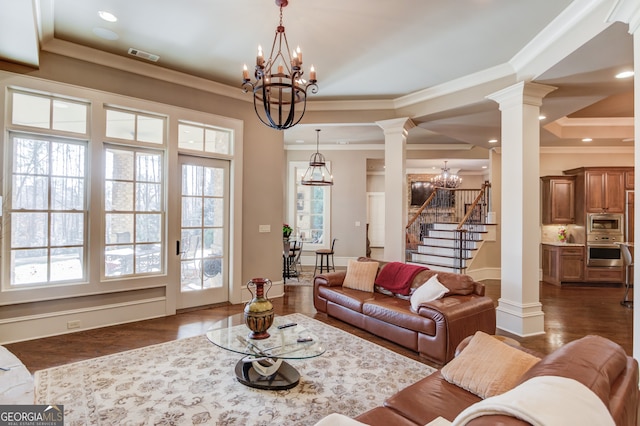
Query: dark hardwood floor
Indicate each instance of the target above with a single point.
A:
(570, 313)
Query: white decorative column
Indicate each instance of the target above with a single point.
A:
(628, 11)
(395, 186)
(519, 309)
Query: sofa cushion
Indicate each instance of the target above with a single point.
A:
(487, 366)
(459, 284)
(360, 275)
(392, 310)
(431, 290)
(351, 299)
(594, 361)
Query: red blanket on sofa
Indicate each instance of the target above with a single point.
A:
(397, 277)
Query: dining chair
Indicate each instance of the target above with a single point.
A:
(628, 263)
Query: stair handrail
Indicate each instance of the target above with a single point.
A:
(473, 205)
(421, 209)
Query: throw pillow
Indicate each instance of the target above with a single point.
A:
(360, 275)
(430, 290)
(487, 366)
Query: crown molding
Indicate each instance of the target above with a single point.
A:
(587, 150)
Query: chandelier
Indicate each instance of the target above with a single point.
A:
(317, 174)
(446, 179)
(279, 91)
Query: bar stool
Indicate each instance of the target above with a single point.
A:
(628, 263)
(324, 255)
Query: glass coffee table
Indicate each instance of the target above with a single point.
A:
(263, 365)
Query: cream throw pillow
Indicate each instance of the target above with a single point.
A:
(487, 366)
(432, 289)
(360, 275)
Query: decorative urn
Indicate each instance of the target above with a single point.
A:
(258, 312)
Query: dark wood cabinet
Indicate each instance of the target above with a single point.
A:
(558, 199)
(562, 264)
(629, 181)
(604, 191)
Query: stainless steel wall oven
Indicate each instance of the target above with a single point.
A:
(604, 230)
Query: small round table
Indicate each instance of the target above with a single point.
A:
(263, 365)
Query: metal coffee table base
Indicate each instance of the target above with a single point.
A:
(267, 375)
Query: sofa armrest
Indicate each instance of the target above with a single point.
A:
(330, 279)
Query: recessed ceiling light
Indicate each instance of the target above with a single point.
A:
(493, 140)
(299, 140)
(542, 117)
(107, 16)
(587, 140)
(484, 167)
(625, 74)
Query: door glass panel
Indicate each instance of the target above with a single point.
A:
(202, 220)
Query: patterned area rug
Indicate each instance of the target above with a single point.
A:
(191, 381)
(305, 279)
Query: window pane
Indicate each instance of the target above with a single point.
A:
(67, 194)
(30, 156)
(118, 261)
(148, 228)
(29, 192)
(67, 159)
(29, 110)
(150, 129)
(118, 196)
(191, 212)
(148, 167)
(217, 141)
(214, 182)
(29, 266)
(29, 229)
(66, 264)
(119, 228)
(67, 229)
(69, 116)
(192, 180)
(190, 137)
(214, 213)
(148, 258)
(121, 125)
(148, 197)
(119, 164)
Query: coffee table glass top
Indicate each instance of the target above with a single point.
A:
(293, 342)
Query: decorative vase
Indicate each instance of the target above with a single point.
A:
(258, 313)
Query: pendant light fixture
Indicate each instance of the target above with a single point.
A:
(446, 179)
(317, 174)
(279, 91)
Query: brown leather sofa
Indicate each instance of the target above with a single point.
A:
(434, 331)
(598, 363)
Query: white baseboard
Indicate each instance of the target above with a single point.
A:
(38, 326)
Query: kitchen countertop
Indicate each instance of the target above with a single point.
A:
(558, 243)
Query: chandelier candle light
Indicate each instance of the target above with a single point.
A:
(446, 179)
(279, 91)
(317, 174)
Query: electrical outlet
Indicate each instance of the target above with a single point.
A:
(73, 324)
(264, 228)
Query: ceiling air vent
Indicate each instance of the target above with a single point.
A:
(144, 55)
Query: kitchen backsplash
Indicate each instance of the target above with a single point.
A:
(550, 233)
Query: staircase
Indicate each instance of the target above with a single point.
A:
(446, 235)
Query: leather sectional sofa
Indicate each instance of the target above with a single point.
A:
(599, 364)
(434, 331)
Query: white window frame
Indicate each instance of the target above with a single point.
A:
(296, 170)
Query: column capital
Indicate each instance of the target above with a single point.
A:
(627, 11)
(393, 125)
(524, 92)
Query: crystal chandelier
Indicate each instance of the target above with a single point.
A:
(317, 174)
(446, 179)
(279, 91)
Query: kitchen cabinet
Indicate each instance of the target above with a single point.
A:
(629, 179)
(558, 199)
(562, 263)
(604, 191)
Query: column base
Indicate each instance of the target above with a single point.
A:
(518, 319)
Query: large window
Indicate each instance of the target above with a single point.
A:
(48, 213)
(309, 209)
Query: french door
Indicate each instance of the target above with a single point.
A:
(204, 241)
